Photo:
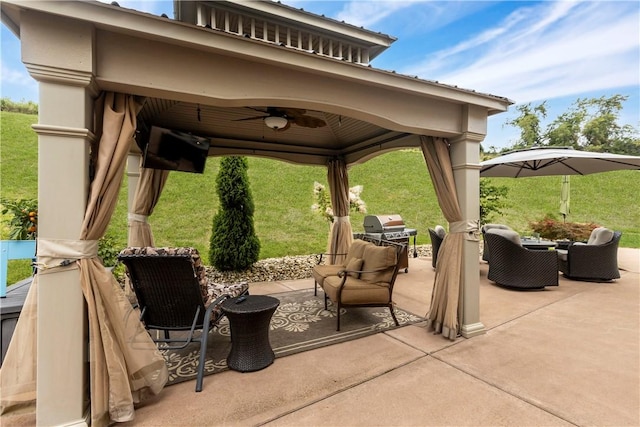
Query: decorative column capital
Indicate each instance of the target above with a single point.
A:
(49, 74)
(467, 136)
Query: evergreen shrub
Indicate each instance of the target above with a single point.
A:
(234, 245)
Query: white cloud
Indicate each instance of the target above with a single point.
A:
(17, 84)
(546, 51)
(367, 13)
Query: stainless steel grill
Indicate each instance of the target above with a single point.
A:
(380, 228)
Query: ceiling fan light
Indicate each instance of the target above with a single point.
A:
(276, 122)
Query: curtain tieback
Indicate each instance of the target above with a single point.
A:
(137, 217)
(469, 228)
(341, 219)
(55, 253)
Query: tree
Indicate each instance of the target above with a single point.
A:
(234, 244)
(589, 124)
(529, 123)
(492, 200)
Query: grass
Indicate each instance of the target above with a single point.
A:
(396, 182)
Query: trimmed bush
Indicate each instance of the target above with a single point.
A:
(234, 244)
(552, 229)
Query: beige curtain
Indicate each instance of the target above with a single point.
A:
(147, 194)
(18, 373)
(125, 365)
(444, 313)
(340, 235)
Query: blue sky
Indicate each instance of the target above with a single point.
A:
(527, 51)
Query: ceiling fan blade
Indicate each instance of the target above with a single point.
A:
(309, 122)
(250, 118)
(290, 112)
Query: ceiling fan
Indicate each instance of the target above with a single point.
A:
(280, 119)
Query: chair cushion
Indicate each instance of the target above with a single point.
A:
(600, 236)
(507, 234)
(356, 291)
(494, 226)
(321, 272)
(356, 250)
(562, 254)
(216, 290)
(440, 231)
(378, 257)
(355, 264)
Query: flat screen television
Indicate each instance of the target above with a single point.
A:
(174, 150)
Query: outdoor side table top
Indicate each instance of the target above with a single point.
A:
(538, 245)
(249, 319)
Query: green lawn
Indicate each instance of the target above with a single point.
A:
(396, 182)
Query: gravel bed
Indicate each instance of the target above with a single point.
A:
(285, 268)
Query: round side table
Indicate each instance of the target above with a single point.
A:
(249, 318)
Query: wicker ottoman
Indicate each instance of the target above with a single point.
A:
(249, 319)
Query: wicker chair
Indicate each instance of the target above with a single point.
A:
(485, 250)
(595, 261)
(172, 294)
(366, 282)
(437, 236)
(516, 267)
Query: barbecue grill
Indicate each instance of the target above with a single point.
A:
(380, 228)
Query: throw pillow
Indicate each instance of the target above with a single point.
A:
(355, 264)
(380, 260)
(440, 231)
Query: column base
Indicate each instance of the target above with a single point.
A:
(472, 330)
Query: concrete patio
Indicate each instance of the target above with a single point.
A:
(568, 355)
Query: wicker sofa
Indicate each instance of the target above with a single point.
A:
(516, 267)
(596, 260)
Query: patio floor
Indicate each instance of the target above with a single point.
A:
(568, 355)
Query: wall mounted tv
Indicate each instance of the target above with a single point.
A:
(174, 150)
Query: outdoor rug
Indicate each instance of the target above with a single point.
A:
(300, 323)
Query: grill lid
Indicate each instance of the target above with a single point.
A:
(382, 223)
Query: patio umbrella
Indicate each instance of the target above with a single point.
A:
(547, 161)
(565, 196)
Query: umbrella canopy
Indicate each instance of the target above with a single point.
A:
(555, 161)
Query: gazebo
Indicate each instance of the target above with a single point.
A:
(105, 72)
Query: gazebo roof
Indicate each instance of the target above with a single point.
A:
(208, 81)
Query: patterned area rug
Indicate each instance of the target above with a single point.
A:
(300, 323)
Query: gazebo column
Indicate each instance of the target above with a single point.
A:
(133, 176)
(59, 55)
(465, 160)
(63, 181)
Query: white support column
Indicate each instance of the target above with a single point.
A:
(63, 181)
(465, 158)
(133, 176)
(59, 55)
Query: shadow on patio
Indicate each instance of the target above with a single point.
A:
(568, 355)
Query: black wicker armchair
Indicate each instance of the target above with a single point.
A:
(437, 236)
(591, 262)
(516, 267)
(485, 250)
(173, 295)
